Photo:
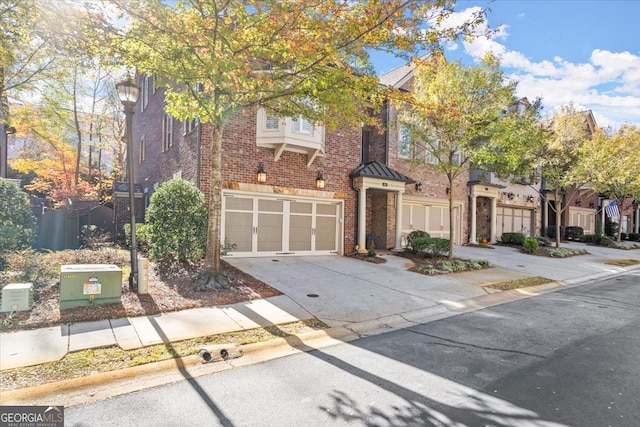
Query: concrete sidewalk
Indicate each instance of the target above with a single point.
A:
(340, 291)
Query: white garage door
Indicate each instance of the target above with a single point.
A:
(586, 220)
(262, 226)
(514, 220)
(434, 219)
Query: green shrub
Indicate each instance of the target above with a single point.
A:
(544, 241)
(573, 233)
(589, 238)
(551, 232)
(634, 237)
(518, 238)
(513, 238)
(432, 246)
(176, 223)
(445, 266)
(142, 238)
(416, 238)
(611, 228)
(438, 247)
(624, 236)
(530, 245)
(17, 223)
(566, 252)
(607, 241)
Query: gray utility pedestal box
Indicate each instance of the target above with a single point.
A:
(17, 297)
(87, 284)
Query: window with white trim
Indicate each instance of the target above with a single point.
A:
(145, 92)
(271, 121)
(189, 125)
(141, 151)
(302, 125)
(167, 132)
(404, 142)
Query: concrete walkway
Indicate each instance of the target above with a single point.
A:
(340, 291)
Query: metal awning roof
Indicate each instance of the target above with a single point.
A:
(378, 170)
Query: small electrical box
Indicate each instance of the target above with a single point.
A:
(17, 297)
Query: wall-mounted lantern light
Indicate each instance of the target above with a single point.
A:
(510, 195)
(530, 199)
(262, 175)
(418, 186)
(320, 181)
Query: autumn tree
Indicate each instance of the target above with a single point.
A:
(558, 158)
(25, 57)
(47, 69)
(610, 163)
(50, 156)
(458, 115)
(295, 57)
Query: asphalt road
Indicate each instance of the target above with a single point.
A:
(563, 358)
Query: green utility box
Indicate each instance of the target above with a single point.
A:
(87, 284)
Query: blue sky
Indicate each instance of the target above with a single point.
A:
(579, 51)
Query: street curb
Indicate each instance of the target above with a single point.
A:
(108, 384)
(95, 387)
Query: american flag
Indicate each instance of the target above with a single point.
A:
(612, 209)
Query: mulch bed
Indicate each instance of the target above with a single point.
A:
(167, 293)
(372, 259)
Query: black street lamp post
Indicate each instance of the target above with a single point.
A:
(128, 93)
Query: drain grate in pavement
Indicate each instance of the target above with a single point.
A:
(313, 295)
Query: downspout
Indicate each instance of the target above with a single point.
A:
(199, 161)
(386, 132)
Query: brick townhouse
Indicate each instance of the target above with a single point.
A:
(319, 191)
(290, 187)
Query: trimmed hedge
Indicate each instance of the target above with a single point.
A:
(513, 238)
(421, 241)
(530, 245)
(634, 237)
(551, 232)
(573, 233)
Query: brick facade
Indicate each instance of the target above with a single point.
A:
(190, 157)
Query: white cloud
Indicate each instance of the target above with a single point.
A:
(608, 83)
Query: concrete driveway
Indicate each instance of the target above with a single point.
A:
(341, 290)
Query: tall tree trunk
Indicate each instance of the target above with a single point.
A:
(212, 255)
(451, 221)
(76, 178)
(91, 179)
(619, 233)
(558, 209)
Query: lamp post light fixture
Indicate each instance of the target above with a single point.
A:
(128, 93)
